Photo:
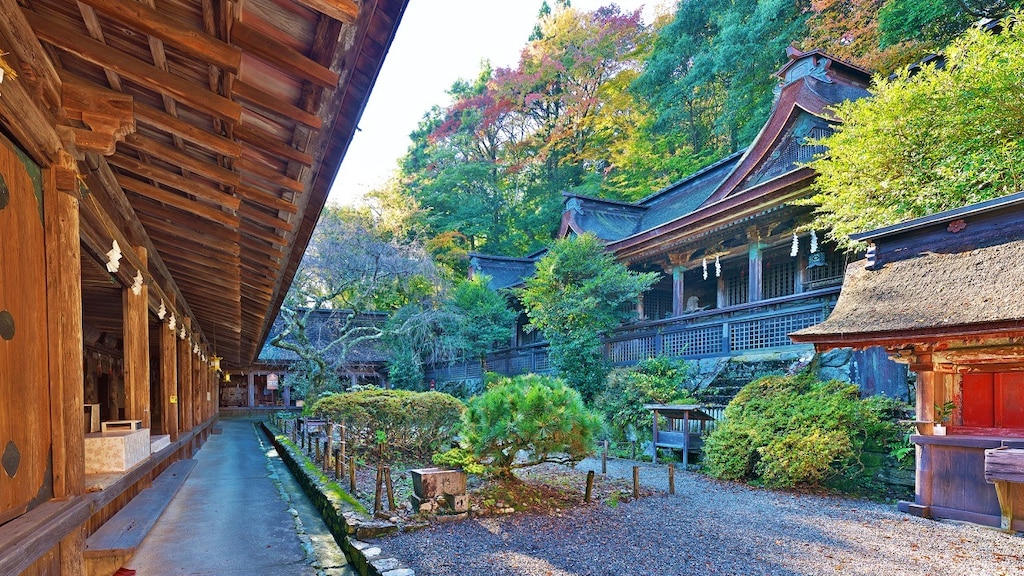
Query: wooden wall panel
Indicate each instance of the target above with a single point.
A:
(24, 365)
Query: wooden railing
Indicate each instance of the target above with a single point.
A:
(706, 334)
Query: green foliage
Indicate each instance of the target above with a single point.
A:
(944, 412)
(459, 458)
(483, 317)
(792, 430)
(939, 140)
(536, 414)
(659, 380)
(412, 423)
(575, 297)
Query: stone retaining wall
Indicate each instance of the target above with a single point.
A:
(344, 521)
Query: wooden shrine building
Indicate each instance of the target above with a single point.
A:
(162, 166)
(740, 270)
(942, 294)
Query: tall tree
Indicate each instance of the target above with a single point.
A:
(347, 272)
(940, 139)
(577, 295)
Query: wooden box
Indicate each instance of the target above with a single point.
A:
(92, 418)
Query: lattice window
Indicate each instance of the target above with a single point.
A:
(521, 365)
(779, 277)
(770, 332)
(831, 273)
(473, 370)
(735, 289)
(540, 362)
(657, 304)
(696, 342)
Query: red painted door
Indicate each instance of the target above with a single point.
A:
(1009, 406)
(978, 401)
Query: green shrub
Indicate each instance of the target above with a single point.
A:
(793, 430)
(658, 380)
(412, 423)
(459, 458)
(536, 414)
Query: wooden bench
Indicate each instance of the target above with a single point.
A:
(116, 541)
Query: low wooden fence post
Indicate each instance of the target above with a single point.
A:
(352, 475)
(671, 478)
(590, 486)
(604, 458)
(636, 482)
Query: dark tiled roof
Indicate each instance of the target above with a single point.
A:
(504, 271)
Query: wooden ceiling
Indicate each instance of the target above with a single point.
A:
(208, 133)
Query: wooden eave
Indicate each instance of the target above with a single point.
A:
(930, 337)
(205, 134)
(765, 196)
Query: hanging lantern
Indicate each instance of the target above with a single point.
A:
(796, 246)
(227, 377)
(215, 363)
(718, 267)
(705, 266)
(816, 260)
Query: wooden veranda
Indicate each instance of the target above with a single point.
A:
(162, 166)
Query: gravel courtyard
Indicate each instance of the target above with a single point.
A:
(710, 528)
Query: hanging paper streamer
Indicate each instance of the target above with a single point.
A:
(161, 311)
(181, 335)
(796, 246)
(814, 242)
(718, 268)
(195, 348)
(114, 258)
(137, 283)
(705, 265)
(172, 323)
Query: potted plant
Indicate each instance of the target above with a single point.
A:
(942, 415)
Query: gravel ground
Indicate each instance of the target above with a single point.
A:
(710, 527)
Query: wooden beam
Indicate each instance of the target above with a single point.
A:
(178, 201)
(106, 112)
(282, 56)
(176, 231)
(264, 198)
(268, 174)
(263, 140)
(186, 161)
(194, 134)
(168, 382)
(172, 31)
(274, 104)
(345, 11)
(254, 214)
(28, 54)
(67, 38)
(255, 231)
(175, 181)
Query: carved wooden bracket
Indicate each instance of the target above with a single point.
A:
(108, 115)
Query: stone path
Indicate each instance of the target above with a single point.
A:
(239, 513)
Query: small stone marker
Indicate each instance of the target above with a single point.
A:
(429, 484)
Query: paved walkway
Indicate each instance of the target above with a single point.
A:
(239, 512)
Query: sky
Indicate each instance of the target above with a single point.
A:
(437, 43)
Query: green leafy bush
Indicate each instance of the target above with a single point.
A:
(536, 414)
(793, 430)
(459, 458)
(659, 380)
(413, 423)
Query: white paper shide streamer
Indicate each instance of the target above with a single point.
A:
(814, 241)
(172, 322)
(161, 311)
(114, 258)
(137, 283)
(705, 266)
(796, 246)
(718, 267)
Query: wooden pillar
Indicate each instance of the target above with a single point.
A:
(168, 383)
(640, 307)
(722, 300)
(67, 379)
(755, 285)
(250, 390)
(678, 298)
(185, 381)
(654, 438)
(136, 352)
(800, 278)
(927, 380)
(197, 386)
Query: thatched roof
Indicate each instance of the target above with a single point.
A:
(959, 273)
